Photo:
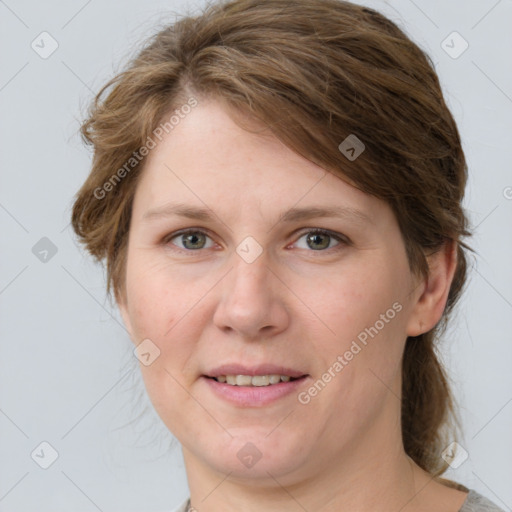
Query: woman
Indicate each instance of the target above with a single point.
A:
(276, 190)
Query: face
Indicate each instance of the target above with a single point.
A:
(245, 259)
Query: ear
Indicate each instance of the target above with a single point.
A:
(433, 290)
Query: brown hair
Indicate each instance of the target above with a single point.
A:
(314, 72)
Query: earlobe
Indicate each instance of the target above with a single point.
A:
(431, 302)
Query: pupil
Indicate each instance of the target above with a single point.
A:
(192, 239)
(317, 239)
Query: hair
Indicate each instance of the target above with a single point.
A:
(313, 73)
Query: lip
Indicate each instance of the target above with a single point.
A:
(261, 369)
(253, 396)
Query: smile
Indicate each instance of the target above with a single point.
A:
(255, 380)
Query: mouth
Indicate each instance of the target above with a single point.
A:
(257, 386)
(255, 380)
(261, 375)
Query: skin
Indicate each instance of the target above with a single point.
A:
(294, 305)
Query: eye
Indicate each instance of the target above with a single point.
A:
(319, 240)
(191, 240)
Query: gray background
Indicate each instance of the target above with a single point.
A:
(67, 375)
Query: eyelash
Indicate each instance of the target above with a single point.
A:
(341, 239)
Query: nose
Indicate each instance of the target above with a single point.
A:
(252, 302)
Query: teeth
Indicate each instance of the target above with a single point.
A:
(260, 380)
(248, 380)
(243, 380)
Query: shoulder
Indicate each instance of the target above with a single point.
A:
(475, 502)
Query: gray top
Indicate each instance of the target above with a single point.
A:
(475, 502)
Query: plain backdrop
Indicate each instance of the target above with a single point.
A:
(67, 374)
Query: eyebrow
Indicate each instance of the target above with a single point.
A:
(292, 215)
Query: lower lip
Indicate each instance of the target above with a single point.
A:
(253, 396)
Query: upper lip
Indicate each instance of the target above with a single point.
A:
(261, 369)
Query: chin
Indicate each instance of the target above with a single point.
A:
(255, 456)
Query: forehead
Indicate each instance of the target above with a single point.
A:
(211, 161)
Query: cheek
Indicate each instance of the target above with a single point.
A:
(365, 314)
(159, 297)
(360, 303)
(161, 309)
(157, 307)
(170, 308)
